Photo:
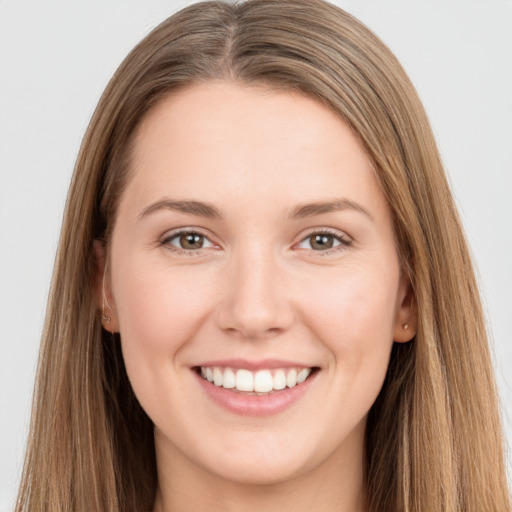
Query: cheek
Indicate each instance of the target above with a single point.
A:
(354, 318)
(357, 303)
(160, 309)
(159, 306)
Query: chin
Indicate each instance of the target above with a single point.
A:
(260, 473)
(261, 460)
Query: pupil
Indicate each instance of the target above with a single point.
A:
(191, 241)
(322, 242)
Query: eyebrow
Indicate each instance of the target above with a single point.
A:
(207, 210)
(189, 207)
(311, 209)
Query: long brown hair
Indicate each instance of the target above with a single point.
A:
(433, 436)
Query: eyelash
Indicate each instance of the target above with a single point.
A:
(344, 241)
(165, 241)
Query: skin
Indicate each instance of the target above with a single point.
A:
(259, 288)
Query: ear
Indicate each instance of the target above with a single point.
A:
(102, 289)
(406, 318)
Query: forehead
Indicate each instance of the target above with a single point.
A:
(224, 141)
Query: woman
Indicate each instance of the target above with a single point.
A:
(262, 294)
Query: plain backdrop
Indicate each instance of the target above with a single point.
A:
(55, 60)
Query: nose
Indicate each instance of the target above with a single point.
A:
(255, 302)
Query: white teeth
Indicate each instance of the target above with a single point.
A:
(303, 375)
(291, 378)
(229, 380)
(244, 380)
(217, 377)
(262, 381)
(279, 380)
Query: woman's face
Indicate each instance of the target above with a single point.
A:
(253, 246)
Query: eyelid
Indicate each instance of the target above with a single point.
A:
(171, 234)
(344, 239)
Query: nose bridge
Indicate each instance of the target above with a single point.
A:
(255, 302)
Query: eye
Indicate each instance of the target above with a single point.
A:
(322, 241)
(187, 241)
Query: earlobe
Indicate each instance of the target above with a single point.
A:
(102, 289)
(406, 315)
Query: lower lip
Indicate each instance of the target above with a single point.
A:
(256, 405)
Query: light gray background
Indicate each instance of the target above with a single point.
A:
(55, 60)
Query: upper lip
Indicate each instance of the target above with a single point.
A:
(254, 365)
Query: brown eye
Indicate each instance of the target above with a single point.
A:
(322, 241)
(191, 241)
(188, 241)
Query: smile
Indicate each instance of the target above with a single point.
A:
(261, 381)
(257, 391)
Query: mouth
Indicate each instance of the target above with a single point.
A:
(257, 383)
(261, 389)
